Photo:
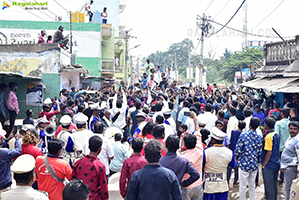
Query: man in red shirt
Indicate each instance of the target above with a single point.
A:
(158, 132)
(47, 109)
(130, 165)
(60, 167)
(92, 172)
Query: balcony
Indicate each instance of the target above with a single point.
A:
(122, 5)
(108, 67)
(122, 23)
(106, 30)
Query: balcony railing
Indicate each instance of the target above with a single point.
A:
(108, 65)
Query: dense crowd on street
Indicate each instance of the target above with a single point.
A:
(166, 141)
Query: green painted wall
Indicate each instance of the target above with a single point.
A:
(92, 64)
(52, 85)
(49, 25)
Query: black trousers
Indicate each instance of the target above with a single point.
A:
(12, 119)
(2, 120)
(90, 16)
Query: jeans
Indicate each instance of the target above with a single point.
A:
(104, 21)
(290, 173)
(12, 119)
(270, 182)
(195, 193)
(90, 16)
(229, 172)
(247, 177)
(63, 42)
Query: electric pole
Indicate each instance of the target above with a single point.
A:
(245, 26)
(71, 39)
(127, 37)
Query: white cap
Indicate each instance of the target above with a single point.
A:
(141, 114)
(27, 127)
(65, 120)
(81, 119)
(95, 106)
(47, 101)
(43, 119)
(217, 134)
(23, 164)
(202, 119)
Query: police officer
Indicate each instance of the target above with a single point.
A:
(23, 169)
(96, 109)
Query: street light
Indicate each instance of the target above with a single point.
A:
(131, 63)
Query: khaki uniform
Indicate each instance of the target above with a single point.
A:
(295, 190)
(24, 193)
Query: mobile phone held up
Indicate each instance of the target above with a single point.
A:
(187, 114)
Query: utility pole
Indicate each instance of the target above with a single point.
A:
(131, 66)
(71, 39)
(175, 67)
(206, 31)
(245, 26)
(127, 37)
(189, 63)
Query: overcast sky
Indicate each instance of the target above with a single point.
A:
(159, 23)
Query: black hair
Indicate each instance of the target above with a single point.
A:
(184, 126)
(24, 178)
(277, 105)
(197, 105)
(254, 123)
(186, 103)
(55, 145)
(193, 109)
(70, 102)
(3, 86)
(209, 107)
(190, 141)
(285, 112)
(170, 105)
(160, 119)
(147, 129)
(158, 131)
(29, 112)
(75, 190)
(241, 125)
(159, 106)
(145, 110)
(117, 137)
(95, 142)
(219, 122)
(270, 121)
(172, 143)
(233, 110)
(137, 104)
(118, 103)
(247, 112)
(221, 113)
(257, 106)
(98, 127)
(241, 105)
(204, 134)
(294, 123)
(81, 107)
(137, 145)
(152, 151)
(11, 85)
(190, 100)
(154, 108)
(235, 103)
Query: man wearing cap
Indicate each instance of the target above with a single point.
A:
(6, 155)
(95, 115)
(141, 123)
(216, 159)
(169, 120)
(48, 104)
(23, 169)
(58, 38)
(12, 105)
(42, 123)
(81, 136)
(66, 136)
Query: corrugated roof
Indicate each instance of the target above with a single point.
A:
(12, 74)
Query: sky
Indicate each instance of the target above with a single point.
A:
(159, 23)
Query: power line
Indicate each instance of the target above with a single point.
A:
(252, 34)
(208, 6)
(231, 17)
(222, 9)
(269, 14)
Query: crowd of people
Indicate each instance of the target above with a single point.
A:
(167, 142)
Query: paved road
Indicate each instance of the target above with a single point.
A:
(233, 192)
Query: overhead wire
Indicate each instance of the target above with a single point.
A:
(230, 18)
(269, 14)
(211, 1)
(222, 8)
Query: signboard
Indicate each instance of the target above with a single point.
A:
(34, 95)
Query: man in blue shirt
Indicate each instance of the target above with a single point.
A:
(247, 151)
(270, 159)
(153, 181)
(144, 80)
(259, 113)
(179, 165)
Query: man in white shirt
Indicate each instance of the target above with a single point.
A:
(89, 10)
(120, 107)
(104, 16)
(168, 129)
(181, 117)
(169, 120)
(232, 122)
(209, 109)
(81, 109)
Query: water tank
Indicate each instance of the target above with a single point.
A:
(97, 17)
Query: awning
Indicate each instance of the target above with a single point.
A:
(291, 87)
(17, 75)
(274, 84)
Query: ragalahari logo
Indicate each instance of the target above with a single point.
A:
(5, 5)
